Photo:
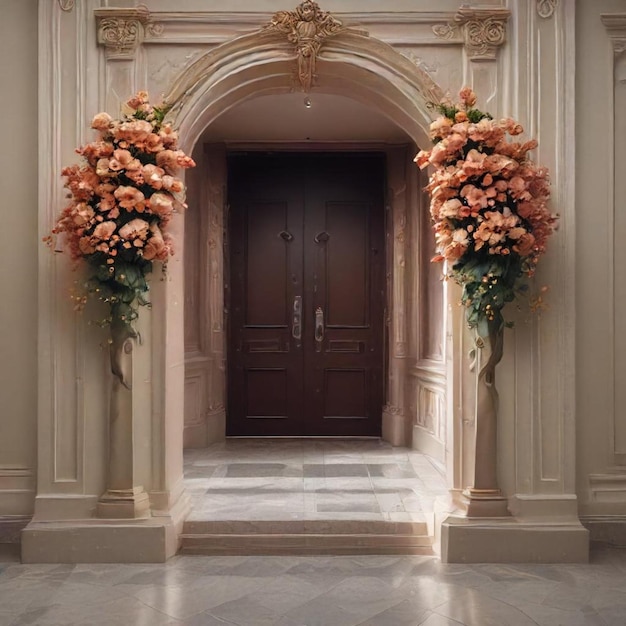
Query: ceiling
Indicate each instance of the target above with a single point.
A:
(286, 117)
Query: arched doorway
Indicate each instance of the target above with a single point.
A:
(376, 76)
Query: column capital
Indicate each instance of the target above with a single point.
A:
(483, 30)
(122, 31)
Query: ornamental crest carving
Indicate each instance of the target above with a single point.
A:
(122, 31)
(307, 28)
(483, 30)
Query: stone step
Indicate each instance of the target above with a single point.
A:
(300, 537)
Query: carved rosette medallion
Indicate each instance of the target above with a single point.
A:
(122, 31)
(483, 31)
(307, 28)
(546, 8)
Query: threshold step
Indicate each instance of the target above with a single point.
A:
(304, 543)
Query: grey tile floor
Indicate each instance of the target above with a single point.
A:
(314, 591)
(311, 479)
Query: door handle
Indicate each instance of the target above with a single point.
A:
(296, 321)
(319, 328)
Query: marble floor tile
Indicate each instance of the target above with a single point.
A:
(308, 591)
(254, 478)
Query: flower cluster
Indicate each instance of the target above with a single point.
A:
(121, 202)
(488, 205)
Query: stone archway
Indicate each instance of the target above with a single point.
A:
(372, 72)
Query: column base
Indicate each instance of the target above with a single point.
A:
(143, 540)
(507, 540)
(394, 426)
(485, 503)
(123, 504)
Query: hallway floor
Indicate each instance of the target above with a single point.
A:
(311, 479)
(314, 591)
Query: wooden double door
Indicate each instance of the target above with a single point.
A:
(306, 294)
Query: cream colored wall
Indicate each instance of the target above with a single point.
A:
(19, 247)
(600, 261)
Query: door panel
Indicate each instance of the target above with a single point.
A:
(306, 300)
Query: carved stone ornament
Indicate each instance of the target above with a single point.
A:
(483, 30)
(122, 31)
(546, 8)
(307, 28)
(66, 5)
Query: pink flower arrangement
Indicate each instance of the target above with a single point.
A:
(121, 202)
(488, 205)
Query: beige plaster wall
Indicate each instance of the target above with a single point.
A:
(600, 262)
(19, 247)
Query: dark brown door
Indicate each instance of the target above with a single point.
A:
(306, 294)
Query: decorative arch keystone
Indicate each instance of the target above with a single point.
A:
(307, 28)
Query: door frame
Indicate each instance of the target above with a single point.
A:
(410, 380)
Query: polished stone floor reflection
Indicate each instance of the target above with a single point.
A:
(311, 479)
(315, 591)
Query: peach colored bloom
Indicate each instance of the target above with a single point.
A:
(450, 208)
(130, 198)
(525, 244)
(135, 229)
(85, 245)
(82, 214)
(153, 143)
(440, 127)
(104, 230)
(168, 136)
(153, 175)
(476, 197)
(141, 97)
(170, 183)
(474, 164)
(102, 168)
(155, 247)
(101, 122)
(161, 204)
(468, 97)
(422, 158)
(460, 116)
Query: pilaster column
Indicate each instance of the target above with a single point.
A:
(394, 419)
